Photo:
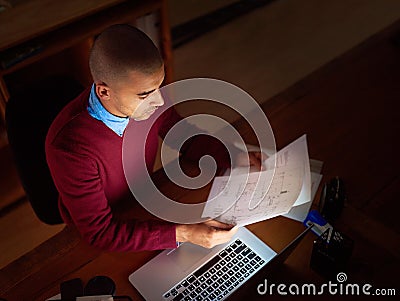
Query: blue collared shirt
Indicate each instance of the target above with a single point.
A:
(97, 111)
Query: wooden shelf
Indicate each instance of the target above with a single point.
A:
(74, 33)
(74, 22)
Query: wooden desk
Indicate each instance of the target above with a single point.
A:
(347, 109)
(58, 25)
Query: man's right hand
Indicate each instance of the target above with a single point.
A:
(207, 234)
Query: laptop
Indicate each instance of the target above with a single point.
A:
(191, 272)
(249, 288)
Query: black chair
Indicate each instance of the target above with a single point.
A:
(29, 114)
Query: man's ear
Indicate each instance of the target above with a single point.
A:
(102, 91)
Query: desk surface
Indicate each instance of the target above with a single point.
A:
(350, 112)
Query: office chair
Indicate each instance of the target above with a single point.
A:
(29, 114)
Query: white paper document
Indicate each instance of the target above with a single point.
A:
(246, 198)
(299, 212)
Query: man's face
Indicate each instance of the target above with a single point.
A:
(136, 97)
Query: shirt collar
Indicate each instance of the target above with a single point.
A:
(97, 111)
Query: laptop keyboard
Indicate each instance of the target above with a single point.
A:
(219, 276)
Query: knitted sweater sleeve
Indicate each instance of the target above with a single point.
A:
(77, 179)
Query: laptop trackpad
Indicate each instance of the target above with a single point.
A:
(187, 255)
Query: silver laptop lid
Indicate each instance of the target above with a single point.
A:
(168, 268)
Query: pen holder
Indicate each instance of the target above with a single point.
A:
(331, 253)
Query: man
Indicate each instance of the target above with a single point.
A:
(84, 148)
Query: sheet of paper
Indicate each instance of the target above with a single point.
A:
(242, 199)
(300, 212)
(296, 153)
(227, 189)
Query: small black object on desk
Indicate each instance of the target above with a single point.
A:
(100, 285)
(332, 199)
(331, 253)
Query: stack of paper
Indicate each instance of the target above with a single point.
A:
(286, 187)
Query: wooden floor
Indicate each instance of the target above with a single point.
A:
(265, 52)
(273, 47)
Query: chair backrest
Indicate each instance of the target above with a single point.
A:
(29, 114)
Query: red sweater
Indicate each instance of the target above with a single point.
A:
(85, 161)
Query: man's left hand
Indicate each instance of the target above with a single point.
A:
(252, 159)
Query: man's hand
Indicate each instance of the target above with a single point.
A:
(252, 159)
(207, 234)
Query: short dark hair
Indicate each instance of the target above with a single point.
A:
(120, 49)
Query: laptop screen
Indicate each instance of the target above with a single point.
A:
(249, 289)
